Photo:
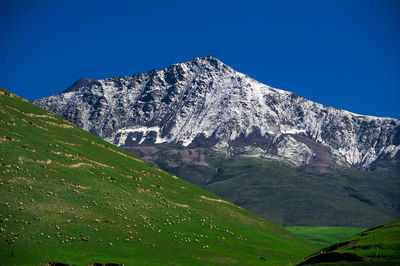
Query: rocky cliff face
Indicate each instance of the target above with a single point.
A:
(205, 103)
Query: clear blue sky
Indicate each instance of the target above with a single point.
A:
(342, 53)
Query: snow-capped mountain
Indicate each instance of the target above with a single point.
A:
(205, 103)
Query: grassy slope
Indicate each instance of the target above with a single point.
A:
(286, 196)
(323, 236)
(375, 246)
(68, 196)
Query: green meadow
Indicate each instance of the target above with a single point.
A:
(323, 236)
(70, 197)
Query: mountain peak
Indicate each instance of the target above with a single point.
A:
(208, 58)
(208, 61)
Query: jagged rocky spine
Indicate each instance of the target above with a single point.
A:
(205, 103)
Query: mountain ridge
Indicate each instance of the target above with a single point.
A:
(204, 102)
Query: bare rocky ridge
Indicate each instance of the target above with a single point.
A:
(204, 103)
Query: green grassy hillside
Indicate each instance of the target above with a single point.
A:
(323, 236)
(286, 195)
(376, 246)
(68, 196)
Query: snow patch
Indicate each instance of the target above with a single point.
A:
(121, 135)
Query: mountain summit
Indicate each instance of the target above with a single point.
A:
(205, 103)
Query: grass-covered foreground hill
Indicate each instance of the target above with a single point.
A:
(379, 245)
(70, 197)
